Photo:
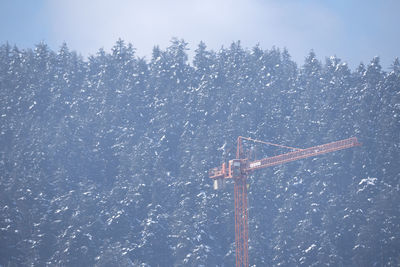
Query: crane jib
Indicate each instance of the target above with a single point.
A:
(255, 164)
(303, 153)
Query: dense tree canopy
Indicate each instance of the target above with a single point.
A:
(104, 160)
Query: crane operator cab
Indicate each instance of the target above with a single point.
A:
(235, 168)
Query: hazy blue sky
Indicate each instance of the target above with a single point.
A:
(354, 31)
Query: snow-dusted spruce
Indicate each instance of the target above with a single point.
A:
(103, 160)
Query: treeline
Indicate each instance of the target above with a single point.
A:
(104, 160)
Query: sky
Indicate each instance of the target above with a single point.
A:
(353, 30)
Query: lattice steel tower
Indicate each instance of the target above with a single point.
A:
(239, 168)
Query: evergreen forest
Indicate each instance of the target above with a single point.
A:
(104, 160)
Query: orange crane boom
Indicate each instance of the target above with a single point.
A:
(238, 169)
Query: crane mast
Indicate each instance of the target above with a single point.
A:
(239, 168)
(241, 212)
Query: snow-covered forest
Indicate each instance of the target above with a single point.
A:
(104, 161)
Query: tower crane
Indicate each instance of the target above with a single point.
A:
(239, 169)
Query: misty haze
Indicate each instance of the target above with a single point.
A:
(182, 152)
